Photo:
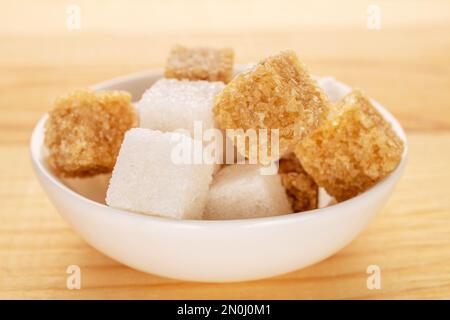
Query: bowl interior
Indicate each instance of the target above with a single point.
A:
(94, 188)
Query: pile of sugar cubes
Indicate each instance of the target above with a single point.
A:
(161, 164)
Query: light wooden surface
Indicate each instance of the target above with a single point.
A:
(405, 65)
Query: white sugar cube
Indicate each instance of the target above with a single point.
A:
(172, 104)
(334, 89)
(148, 177)
(325, 200)
(239, 191)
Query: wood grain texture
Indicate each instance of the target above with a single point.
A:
(405, 65)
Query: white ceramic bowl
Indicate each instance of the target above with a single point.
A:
(217, 251)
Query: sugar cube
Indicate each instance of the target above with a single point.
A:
(239, 191)
(148, 178)
(200, 64)
(172, 104)
(334, 89)
(301, 189)
(355, 148)
(325, 200)
(278, 93)
(84, 131)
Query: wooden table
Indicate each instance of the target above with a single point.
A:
(405, 65)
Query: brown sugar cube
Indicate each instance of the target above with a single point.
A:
(84, 131)
(353, 150)
(278, 93)
(300, 188)
(200, 64)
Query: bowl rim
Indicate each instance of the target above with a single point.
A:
(37, 141)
